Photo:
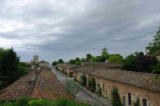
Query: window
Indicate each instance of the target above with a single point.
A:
(144, 102)
(129, 99)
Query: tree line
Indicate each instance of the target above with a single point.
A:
(138, 61)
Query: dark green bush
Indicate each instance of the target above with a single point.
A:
(115, 98)
(84, 80)
(92, 85)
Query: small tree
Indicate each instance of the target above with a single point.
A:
(60, 61)
(71, 88)
(84, 80)
(92, 85)
(137, 102)
(99, 91)
(54, 63)
(115, 98)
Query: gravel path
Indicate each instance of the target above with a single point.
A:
(82, 95)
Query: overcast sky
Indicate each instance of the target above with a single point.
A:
(66, 29)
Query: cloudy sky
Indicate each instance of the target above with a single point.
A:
(66, 29)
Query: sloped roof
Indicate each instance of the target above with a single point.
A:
(143, 80)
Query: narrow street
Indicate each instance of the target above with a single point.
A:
(82, 95)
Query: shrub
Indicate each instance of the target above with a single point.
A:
(84, 80)
(137, 102)
(43, 102)
(156, 69)
(115, 98)
(99, 91)
(71, 88)
(116, 58)
(92, 85)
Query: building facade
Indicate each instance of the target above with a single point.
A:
(131, 85)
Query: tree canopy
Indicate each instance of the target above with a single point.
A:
(154, 47)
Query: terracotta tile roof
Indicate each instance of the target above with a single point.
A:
(144, 80)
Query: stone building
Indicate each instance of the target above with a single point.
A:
(131, 85)
(44, 64)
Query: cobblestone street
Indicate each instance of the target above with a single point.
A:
(82, 95)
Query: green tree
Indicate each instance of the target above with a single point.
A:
(116, 58)
(60, 61)
(54, 63)
(105, 55)
(88, 57)
(115, 98)
(92, 85)
(84, 80)
(129, 63)
(137, 103)
(155, 45)
(156, 69)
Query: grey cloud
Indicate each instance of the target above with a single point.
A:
(120, 26)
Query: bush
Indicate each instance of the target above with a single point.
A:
(71, 88)
(84, 80)
(115, 98)
(92, 85)
(137, 102)
(116, 58)
(156, 69)
(99, 91)
(42, 102)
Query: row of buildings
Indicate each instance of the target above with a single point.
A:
(131, 85)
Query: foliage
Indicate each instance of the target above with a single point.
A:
(42, 102)
(99, 91)
(145, 63)
(105, 55)
(92, 85)
(88, 57)
(156, 69)
(115, 98)
(60, 61)
(10, 67)
(139, 62)
(84, 80)
(54, 63)
(155, 45)
(71, 88)
(137, 103)
(129, 63)
(116, 58)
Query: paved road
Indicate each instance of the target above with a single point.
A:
(82, 95)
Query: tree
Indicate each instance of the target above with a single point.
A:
(139, 62)
(72, 61)
(88, 57)
(10, 67)
(137, 103)
(115, 98)
(155, 45)
(145, 63)
(156, 69)
(116, 58)
(92, 85)
(105, 54)
(60, 61)
(84, 80)
(129, 63)
(54, 63)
